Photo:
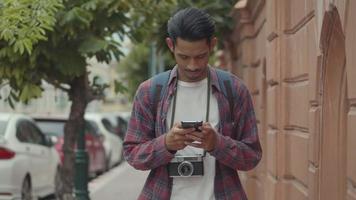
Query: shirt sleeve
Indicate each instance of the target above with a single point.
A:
(142, 149)
(239, 147)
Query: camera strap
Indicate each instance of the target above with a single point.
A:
(207, 102)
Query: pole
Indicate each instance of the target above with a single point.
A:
(152, 60)
(81, 169)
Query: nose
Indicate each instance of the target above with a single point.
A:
(192, 65)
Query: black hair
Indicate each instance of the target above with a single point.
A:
(191, 24)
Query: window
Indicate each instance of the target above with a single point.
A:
(3, 125)
(52, 128)
(108, 125)
(23, 132)
(90, 128)
(37, 136)
(29, 133)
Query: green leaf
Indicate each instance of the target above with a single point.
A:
(24, 94)
(30, 91)
(6, 34)
(28, 45)
(90, 5)
(17, 73)
(70, 64)
(93, 45)
(119, 87)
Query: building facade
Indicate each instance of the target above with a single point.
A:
(54, 101)
(298, 58)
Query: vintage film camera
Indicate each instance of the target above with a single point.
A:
(187, 166)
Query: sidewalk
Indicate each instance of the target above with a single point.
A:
(122, 182)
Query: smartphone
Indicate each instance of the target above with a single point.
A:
(192, 124)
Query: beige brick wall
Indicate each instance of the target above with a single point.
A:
(299, 64)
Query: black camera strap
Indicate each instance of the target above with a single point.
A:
(207, 101)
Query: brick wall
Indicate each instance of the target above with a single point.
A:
(298, 59)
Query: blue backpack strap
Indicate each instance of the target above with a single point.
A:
(158, 88)
(225, 82)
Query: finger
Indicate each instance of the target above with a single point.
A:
(179, 137)
(183, 131)
(188, 141)
(194, 137)
(206, 128)
(194, 144)
(187, 130)
(176, 124)
(196, 134)
(206, 124)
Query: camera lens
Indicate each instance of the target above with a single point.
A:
(185, 168)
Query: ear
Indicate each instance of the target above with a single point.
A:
(170, 44)
(213, 42)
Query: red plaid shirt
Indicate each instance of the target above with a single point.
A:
(237, 148)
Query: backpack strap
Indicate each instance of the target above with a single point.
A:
(158, 88)
(225, 82)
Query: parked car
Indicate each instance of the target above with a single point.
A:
(29, 165)
(54, 127)
(113, 144)
(118, 123)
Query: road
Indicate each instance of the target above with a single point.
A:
(122, 182)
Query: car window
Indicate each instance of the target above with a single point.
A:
(91, 128)
(23, 133)
(52, 128)
(3, 125)
(37, 135)
(108, 125)
(94, 125)
(122, 125)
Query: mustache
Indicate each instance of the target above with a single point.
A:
(194, 70)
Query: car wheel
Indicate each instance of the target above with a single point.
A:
(26, 190)
(58, 184)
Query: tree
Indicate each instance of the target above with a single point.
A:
(134, 66)
(51, 40)
(22, 25)
(131, 65)
(219, 10)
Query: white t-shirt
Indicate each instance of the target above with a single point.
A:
(191, 106)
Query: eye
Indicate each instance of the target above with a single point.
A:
(201, 56)
(183, 57)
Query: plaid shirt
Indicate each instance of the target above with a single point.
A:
(237, 148)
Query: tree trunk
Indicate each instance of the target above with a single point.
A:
(78, 96)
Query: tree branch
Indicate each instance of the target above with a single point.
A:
(57, 85)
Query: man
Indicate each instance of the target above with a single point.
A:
(199, 162)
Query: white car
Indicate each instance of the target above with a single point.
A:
(113, 144)
(29, 165)
(119, 122)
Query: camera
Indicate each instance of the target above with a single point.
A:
(192, 124)
(186, 166)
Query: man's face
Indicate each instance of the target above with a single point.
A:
(191, 57)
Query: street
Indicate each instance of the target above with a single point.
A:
(121, 182)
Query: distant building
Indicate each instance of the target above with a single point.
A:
(107, 74)
(55, 101)
(52, 101)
